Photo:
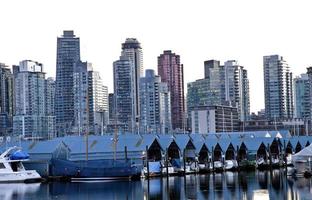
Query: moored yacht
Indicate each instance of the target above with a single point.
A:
(12, 169)
(230, 165)
(218, 166)
(261, 163)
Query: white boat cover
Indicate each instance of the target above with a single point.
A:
(305, 154)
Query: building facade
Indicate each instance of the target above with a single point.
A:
(171, 72)
(213, 119)
(81, 98)
(165, 109)
(111, 108)
(68, 55)
(124, 94)
(223, 85)
(237, 88)
(49, 95)
(132, 50)
(30, 113)
(214, 72)
(6, 100)
(278, 89)
(155, 104)
(302, 101)
(98, 103)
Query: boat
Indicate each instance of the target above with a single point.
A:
(191, 168)
(246, 164)
(275, 163)
(155, 169)
(171, 170)
(303, 162)
(93, 170)
(230, 165)
(218, 166)
(88, 170)
(289, 162)
(203, 167)
(261, 164)
(12, 168)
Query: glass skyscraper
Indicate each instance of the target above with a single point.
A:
(68, 55)
(155, 104)
(132, 50)
(302, 101)
(278, 89)
(6, 99)
(124, 84)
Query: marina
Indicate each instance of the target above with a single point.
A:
(152, 155)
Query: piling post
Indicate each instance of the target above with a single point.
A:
(212, 158)
(184, 162)
(237, 157)
(147, 164)
(270, 156)
(167, 164)
(126, 153)
(285, 154)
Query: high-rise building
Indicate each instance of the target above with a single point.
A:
(309, 72)
(155, 104)
(132, 50)
(214, 72)
(277, 88)
(223, 85)
(237, 88)
(98, 103)
(81, 98)
(49, 95)
(124, 85)
(111, 107)
(171, 72)
(164, 109)
(302, 101)
(30, 113)
(6, 100)
(68, 55)
(199, 94)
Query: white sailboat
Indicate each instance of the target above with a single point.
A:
(12, 169)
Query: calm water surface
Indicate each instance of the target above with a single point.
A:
(252, 185)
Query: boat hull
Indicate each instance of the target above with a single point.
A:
(96, 169)
(230, 165)
(20, 177)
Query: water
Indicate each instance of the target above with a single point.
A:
(253, 185)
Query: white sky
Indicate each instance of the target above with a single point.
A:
(243, 30)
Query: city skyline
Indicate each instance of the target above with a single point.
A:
(245, 36)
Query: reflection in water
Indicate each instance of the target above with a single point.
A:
(218, 185)
(262, 179)
(230, 180)
(253, 185)
(17, 190)
(204, 185)
(275, 174)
